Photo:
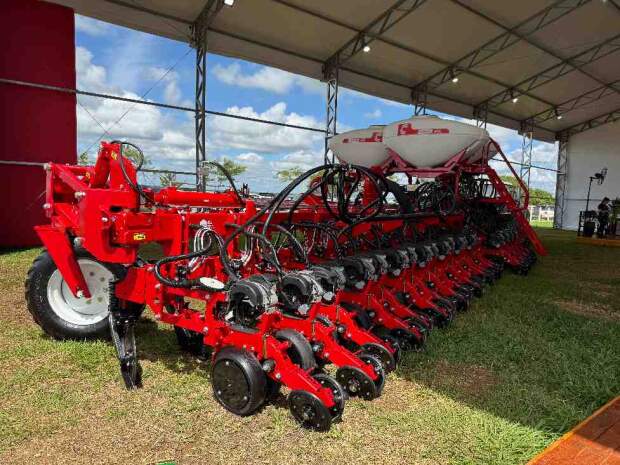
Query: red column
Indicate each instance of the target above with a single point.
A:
(38, 45)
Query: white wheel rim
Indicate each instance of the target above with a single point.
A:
(81, 311)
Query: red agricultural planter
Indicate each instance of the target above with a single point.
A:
(352, 273)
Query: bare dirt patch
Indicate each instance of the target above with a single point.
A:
(471, 380)
(589, 310)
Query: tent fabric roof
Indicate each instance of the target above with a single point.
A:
(557, 57)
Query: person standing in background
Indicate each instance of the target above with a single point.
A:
(604, 210)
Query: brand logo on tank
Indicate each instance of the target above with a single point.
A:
(406, 129)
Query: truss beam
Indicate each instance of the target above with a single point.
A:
(527, 144)
(331, 112)
(375, 29)
(199, 41)
(419, 98)
(481, 115)
(560, 183)
(575, 103)
(494, 46)
(596, 52)
(607, 118)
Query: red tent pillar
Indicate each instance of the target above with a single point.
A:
(36, 125)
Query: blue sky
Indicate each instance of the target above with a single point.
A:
(119, 61)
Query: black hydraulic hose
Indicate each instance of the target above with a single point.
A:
(273, 206)
(301, 198)
(260, 237)
(301, 253)
(134, 186)
(230, 179)
(184, 283)
(324, 227)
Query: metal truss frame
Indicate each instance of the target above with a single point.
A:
(527, 144)
(606, 118)
(600, 50)
(331, 112)
(375, 29)
(575, 103)
(560, 183)
(508, 38)
(199, 41)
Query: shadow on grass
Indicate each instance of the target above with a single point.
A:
(520, 355)
(158, 343)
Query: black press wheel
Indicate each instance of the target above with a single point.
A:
(300, 350)
(339, 394)
(239, 383)
(393, 342)
(378, 367)
(356, 382)
(388, 361)
(309, 411)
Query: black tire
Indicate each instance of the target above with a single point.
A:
(309, 411)
(36, 287)
(238, 381)
(300, 350)
(339, 394)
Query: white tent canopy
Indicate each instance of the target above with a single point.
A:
(554, 63)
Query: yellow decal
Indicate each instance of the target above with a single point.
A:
(139, 236)
(113, 155)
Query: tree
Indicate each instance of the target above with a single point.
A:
(132, 154)
(287, 175)
(83, 159)
(537, 196)
(232, 167)
(169, 180)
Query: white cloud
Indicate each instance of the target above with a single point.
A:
(266, 78)
(172, 92)
(224, 132)
(269, 79)
(250, 158)
(375, 114)
(89, 76)
(91, 26)
(167, 137)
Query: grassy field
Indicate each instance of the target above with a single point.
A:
(531, 359)
(541, 224)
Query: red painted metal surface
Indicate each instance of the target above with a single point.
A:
(36, 125)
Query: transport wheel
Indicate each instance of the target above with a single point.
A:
(378, 367)
(192, 342)
(61, 314)
(300, 350)
(309, 411)
(385, 357)
(356, 382)
(239, 383)
(339, 395)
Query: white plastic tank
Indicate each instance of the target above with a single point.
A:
(360, 147)
(429, 141)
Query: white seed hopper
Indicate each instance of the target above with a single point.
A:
(362, 147)
(429, 141)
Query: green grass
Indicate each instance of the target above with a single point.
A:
(531, 359)
(541, 224)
